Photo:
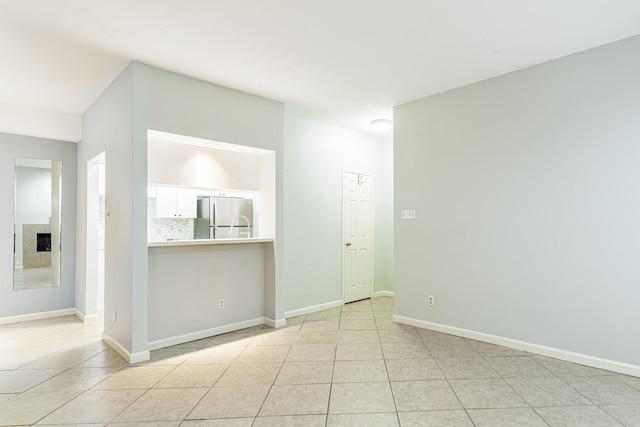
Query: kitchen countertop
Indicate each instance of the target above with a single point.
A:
(200, 242)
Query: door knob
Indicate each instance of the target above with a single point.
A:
(348, 244)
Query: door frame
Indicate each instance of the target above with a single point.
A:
(92, 252)
(342, 237)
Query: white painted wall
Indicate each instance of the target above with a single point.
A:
(316, 153)
(528, 210)
(266, 200)
(46, 299)
(195, 167)
(33, 205)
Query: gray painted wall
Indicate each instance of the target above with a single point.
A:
(15, 303)
(528, 209)
(107, 126)
(173, 103)
(316, 154)
(186, 283)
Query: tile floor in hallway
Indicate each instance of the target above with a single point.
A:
(348, 366)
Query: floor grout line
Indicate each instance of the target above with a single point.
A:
(348, 319)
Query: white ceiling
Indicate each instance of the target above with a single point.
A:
(342, 61)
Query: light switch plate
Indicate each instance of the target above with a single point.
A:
(408, 214)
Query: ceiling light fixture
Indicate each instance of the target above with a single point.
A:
(382, 126)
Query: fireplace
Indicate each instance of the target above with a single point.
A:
(43, 242)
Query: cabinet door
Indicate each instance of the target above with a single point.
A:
(166, 202)
(187, 201)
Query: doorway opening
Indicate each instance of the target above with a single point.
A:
(95, 273)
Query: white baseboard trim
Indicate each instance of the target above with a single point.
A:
(38, 316)
(140, 356)
(383, 294)
(582, 359)
(280, 323)
(91, 318)
(206, 333)
(80, 315)
(313, 309)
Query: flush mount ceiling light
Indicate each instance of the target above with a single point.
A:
(381, 126)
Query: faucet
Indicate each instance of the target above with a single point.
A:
(248, 232)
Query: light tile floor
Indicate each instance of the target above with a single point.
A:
(349, 366)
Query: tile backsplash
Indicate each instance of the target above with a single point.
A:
(161, 229)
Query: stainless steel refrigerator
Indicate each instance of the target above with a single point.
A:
(224, 218)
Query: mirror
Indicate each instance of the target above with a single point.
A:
(38, 203)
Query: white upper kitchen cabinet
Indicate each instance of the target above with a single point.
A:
(176, 202)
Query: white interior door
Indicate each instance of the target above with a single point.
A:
(357, 226)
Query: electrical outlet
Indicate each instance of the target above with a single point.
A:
(408, 214)
(221, 304)
(430, 300)
(164, 231)
(115, 315)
